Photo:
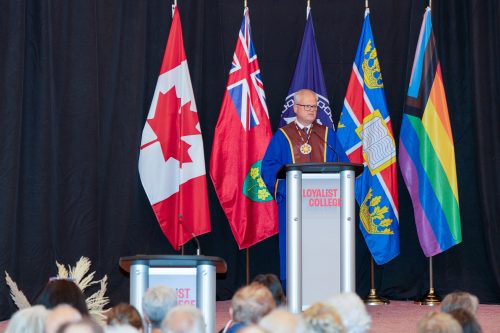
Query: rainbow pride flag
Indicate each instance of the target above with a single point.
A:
(426, 150)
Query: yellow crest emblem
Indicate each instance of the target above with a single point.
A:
(371, 68)
(373, 216)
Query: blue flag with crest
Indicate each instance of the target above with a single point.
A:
(308, 75)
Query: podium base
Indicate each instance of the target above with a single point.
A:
(374, 299)
(431, 299)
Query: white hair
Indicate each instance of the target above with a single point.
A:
(157, 302)
(30, 320)
(184, 319)
(352, 311)
(122, 328)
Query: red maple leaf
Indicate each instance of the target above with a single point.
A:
(170, 123)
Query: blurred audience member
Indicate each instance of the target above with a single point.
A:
(272, 283)
(85, 325)
(467, 320)
(282, 321)
(460, 300)
(322, 318)
(156, 304)
(352, 312)
(121, 329)
(253, 329)
(248, 305)
(29, 320)
(183, 319)
(60, 315)
(438, 322)
(125, 314)
(63, 291)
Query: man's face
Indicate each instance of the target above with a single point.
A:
(306, 117)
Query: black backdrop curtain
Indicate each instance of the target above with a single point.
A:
(77, 79)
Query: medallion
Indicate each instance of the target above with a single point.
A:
(305, 149)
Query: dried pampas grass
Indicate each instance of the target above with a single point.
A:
(79, 274)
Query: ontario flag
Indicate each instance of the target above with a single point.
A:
(308, 75)
(427, 152)
(241, 137)
(171, 160)
(365, 132)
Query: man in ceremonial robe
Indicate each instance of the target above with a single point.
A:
(302, 141)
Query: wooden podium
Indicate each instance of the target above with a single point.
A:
(325, 263)
(193, 278)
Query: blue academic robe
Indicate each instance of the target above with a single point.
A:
(278, 153)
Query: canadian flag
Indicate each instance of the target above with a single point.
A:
(171, 160)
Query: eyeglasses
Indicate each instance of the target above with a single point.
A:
(308, 107)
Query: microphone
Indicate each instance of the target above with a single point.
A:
(329, 145)
(198, 247)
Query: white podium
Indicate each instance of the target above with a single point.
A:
(193, 278)
(320, 217)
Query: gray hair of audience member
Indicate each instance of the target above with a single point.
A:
(352, 312)
(438, 322)
(29, 320)
(322, 318)
(85, 325)
(184, 319)
(60, 315)
(460, 300)
(467, 320)
(250, 303)
(282, 321)
(157, 302)
(253, 329)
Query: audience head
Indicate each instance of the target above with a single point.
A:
(467, 320)
(272, 283)
(253, 329)
(460, 300)
(352, 312)
(183, 319)
(322, 318)
(438, 322)
(121, 329)
(282, 321)
(250, 303)
(85, 325)
(31, 319)
(157, 302)
(63, 291)
(60, 315)
(124, 314)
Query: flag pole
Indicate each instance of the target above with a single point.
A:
(248, 265)
(173, 7)
(245, 3)
(366, 4)
(373, 298)
(431, 298)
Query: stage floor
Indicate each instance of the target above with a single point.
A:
(397, 317)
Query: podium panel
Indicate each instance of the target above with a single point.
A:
(192, 277)
(308, 252)
(320, 237)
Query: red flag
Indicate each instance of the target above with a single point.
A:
(241, 137)
(171, 160)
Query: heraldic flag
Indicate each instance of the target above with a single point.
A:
(171, 160)
(365, 132)
(308, 75)
(426, 150)
(241, 137)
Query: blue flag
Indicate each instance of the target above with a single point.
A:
(365, 132)
(308, 75)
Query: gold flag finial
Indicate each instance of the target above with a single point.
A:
(430, 4)
(366, 4)
(245, 3)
